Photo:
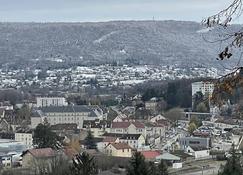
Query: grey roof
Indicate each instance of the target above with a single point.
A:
(167, 156)
(71, 109)
(68, 109)
(123, 136)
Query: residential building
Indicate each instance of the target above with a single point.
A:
(128, 128)
(25, 136)
(157, 118)
(151, 104)
(6, 160)
(197, 152)
(105, 142)
(205, 87)
(50, 101)
(226, 124)
(120, 118)
(97, 127)
(4, 125)
(118, 150)
(65, 114)
(153, 129)
(38, 158)
(136, 141)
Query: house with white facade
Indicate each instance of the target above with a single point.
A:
(151, 104)
(128, 127)
(136, 141)
(118, 150)
(25, 136)
(157, 118)
(198, 152)
(153, 129)
(105, 142)
(50, 101)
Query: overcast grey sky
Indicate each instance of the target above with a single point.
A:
(106, 10)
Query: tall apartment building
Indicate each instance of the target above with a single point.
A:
(50, 101)
(205, 87)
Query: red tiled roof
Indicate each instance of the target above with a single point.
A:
(138, 124)
(150, 154)
(120, 146)
(127, 124)
(163, 122)
(120, 124)
(44, 152)
(109, 139)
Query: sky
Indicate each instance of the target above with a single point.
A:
(107, 10)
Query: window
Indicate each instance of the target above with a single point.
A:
(123, 150)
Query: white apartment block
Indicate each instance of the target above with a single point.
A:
(50, 101)
(205, 87)
(65, 114)
(25, 137)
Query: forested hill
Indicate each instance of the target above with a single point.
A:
(139, 42)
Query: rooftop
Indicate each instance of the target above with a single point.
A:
(127, 124)
(123, 136)
(44, 152)
(150, 154)
(67, 109)
(120, 146)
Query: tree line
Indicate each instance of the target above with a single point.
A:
(176, 93)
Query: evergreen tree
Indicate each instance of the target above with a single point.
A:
(89, 141)
(138, 165)
(197, 99)
(153, 169)
(232, 166)
(84, 164)
(45, 138)
(163, 170)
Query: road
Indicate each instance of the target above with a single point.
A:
(213, 171)
(195, 168)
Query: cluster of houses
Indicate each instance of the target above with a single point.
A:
(118, 137)
(106, 76)
(156, 137)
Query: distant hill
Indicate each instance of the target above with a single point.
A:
(140, 42)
